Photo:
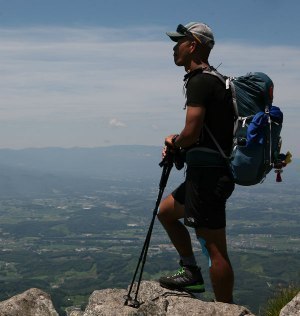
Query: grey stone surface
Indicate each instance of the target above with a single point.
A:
(153, 299)
(73, 311)
(292, 308)
(156, 301)
(32, 302)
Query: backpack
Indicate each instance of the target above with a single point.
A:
(258, 123)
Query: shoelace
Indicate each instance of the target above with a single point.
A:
(179, 272)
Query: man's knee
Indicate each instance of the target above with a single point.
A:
(164, 211)
(170, 210)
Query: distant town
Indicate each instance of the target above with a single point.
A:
(72, 233)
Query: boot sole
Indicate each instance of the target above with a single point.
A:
(188, 289)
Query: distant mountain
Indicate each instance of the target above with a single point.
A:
(113, 161)
(47, 170)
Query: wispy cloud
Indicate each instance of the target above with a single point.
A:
(116, 123)
(60, 86)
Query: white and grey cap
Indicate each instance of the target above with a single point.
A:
(200, 31)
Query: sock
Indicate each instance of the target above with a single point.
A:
(188, 261)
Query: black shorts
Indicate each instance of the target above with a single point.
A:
(204, 194)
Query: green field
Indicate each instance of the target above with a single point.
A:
(70, 246)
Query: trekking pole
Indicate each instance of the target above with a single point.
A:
(166, 164)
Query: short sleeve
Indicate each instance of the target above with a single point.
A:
(199, 90)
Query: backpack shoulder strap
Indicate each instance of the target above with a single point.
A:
(227, 81)
(215, 73)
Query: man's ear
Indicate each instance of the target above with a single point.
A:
(193, 46)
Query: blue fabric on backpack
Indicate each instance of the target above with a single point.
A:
(276, 114)
(255, 131)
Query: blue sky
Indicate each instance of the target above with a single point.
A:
(93, 73)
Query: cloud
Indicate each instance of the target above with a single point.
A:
(60, 86)
(116, 123)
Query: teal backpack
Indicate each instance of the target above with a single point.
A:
(258, 123)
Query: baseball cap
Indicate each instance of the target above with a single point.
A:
(200, 31)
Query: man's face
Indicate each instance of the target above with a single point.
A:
(182, 53)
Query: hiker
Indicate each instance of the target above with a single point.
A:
(200, 200)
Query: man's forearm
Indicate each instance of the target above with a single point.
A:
(185, 139)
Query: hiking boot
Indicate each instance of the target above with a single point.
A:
(187, 278)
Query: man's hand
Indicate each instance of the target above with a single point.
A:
(169, 145)
(169, 141)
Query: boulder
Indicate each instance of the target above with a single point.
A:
(74, 311)
(154, 301)
(33, 302)
(292, 308)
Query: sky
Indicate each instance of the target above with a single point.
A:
(89, 73)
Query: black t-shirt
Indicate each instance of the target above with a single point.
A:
(207, 90)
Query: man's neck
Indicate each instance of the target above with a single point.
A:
(193, 66)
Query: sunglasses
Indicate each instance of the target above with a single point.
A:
(181, 29)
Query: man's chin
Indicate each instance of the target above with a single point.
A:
(177, 62)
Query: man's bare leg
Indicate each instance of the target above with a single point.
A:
(189, 277)
(170, 211)
(221, 272)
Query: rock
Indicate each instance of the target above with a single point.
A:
(153, 300)
(157, 301)
(74, 311)
(33, 302)
(292, 308)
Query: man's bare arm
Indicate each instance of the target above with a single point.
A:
(193, 124)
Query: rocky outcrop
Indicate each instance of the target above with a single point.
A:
(155, 301)
(33, 302)
(292, 308)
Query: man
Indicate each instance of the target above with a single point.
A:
(201, 199)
